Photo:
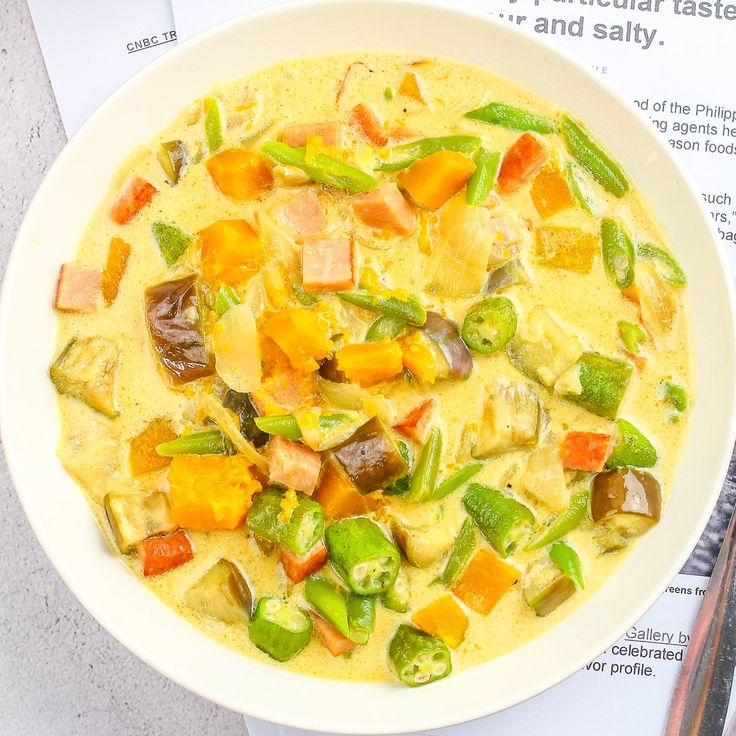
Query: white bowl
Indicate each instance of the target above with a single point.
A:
(57, 510)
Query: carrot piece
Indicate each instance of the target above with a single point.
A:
(521, 162)
(302, 335)
(117, 261)
(485, 581)
(444, 619)
(209, 492)
(335, 642)
(298, 568)
(418, 422)
(366, 120)
(143, 456)
(370, 363)
(418, 358)
(338, 496)
(161, 554)
(138, 194)
(231, 252)
(239, 174)
(433, 180)
(585, 451)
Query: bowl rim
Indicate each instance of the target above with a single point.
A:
(129, 639)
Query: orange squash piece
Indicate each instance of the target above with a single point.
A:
(239, 174)
(433, 180)
(485, 581)
(210, 492)
(302, 335)
(418, 358)
(231, 252)
(143, 456)
(550, 192)
(117, 261)
(444, 619)
(338, 496)
(371, 362)
(568, 248)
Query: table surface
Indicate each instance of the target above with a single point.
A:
(61, 673)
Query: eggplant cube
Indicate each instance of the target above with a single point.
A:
(136, 516)
(626, 499)
(223, 593)
(545, 588)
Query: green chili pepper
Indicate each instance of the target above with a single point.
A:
(213, 125)
(618, 253)
(279, 628)
(489, 325)
(361, 617)
(566, 558)
(487, 165)
(303, 530)
(171, 241)
(225, 299)
(591, 157)
(410, 310)
(424, 477)
(209, 442)
(398, 596)
(283, 425)
(418, 658)
(455, 480)
(675, 396)
(329, 601)
(385, 328)
(632, 336)
(584, 199)
(401, 486)
(505, 522)
(565, 522)
(668, 267)
(406, 154)
(459, 555)
(633, 448)
(496, 113)
(362, 555)
(304, 297)
(323, 168)
(602, 382)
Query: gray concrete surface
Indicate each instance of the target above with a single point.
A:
(61, 674)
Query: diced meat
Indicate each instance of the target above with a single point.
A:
(303, 214)
(335, 642)
(386, 208)
(138, 194)
(78, 288)
(365, 119)
(521, 162)
(418, 422)
(297, 567)
(297, 135)
(328, 264)
(293, 465)
(161, 554)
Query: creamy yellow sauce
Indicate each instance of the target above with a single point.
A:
(95, 449)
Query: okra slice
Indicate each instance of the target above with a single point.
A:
(136, 516)
(398, 596)
(362, 555)
(279, 628)
(546, 587)
(618, 253)
(223, 593)
(418, 658)
(632, 449)
(329, 601)
(505, 522)
(303, 530)
(361, 617)
(424, 478)
(489, 325)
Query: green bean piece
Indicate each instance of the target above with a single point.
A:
(669, 269)
(322, 168)
(283, 425)
(505, 522)
(398, 596)
(304, 297)
(400, 486)
(303, 530)
(362, 555)
(514, 118)
(618, 253)
(329, 601)
(565, 522)
(330, 421)
(409, 310)
(632, 336)
(279, 628)
(385, 328)
(225, 299)
(633, 448)
(675, 396)
(424, 477)
(566, 558)
(591, 157)
(456, 479)
(459, 555)
(407, 153)
(171, 241)
(489, 325)
(209, 442)
(361, 617)
(418, 658)
(584, 199)
(213, 125)
(487, 166)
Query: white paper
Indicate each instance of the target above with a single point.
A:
(92, 46)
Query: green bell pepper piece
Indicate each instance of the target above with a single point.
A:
(566, 558)
(171, 241)
(225, 299)
(633, 448)
(631, 335)
(565, 522)
(213, 125)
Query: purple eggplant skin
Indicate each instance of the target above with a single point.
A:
(447, 336)
(172, 313)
